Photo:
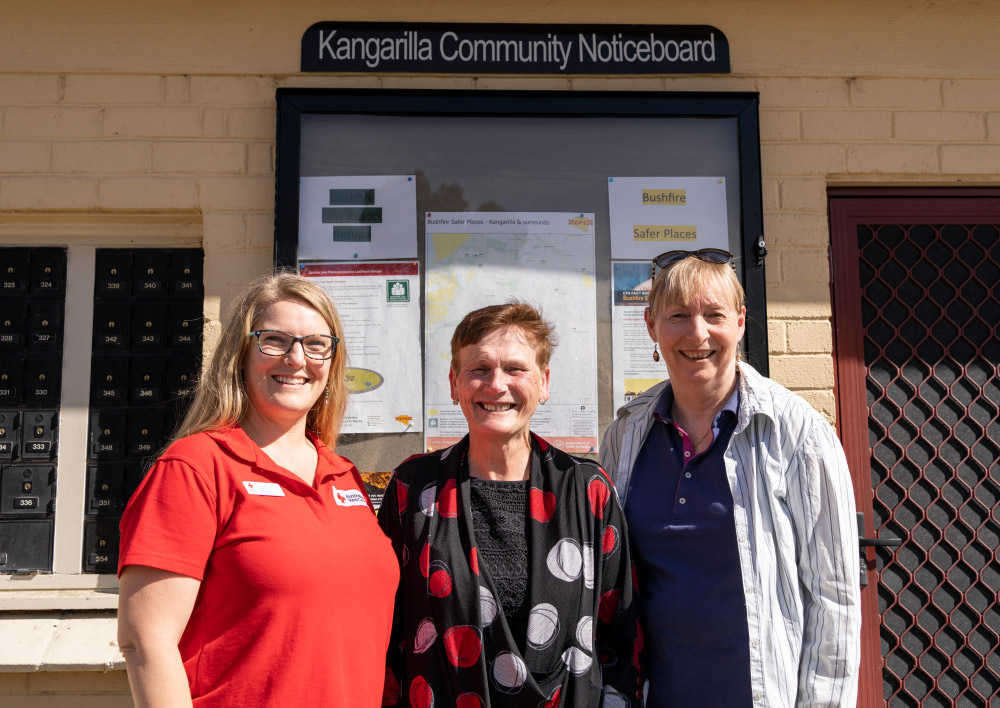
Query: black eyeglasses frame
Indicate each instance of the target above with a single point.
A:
(301, 340)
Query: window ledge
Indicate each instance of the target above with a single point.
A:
(58, 592)
(66, 641)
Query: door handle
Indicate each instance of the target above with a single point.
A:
(864, 543)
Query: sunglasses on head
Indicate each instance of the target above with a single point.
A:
(709, 255)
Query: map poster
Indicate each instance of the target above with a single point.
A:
(370, 217)
(476, 259)
(651, 215)
(379, 307)
(633, 368)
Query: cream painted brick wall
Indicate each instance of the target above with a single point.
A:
(846, 125)
(895, 93)
(49, 121)
(779, 125)
(937, 126)
(971, 159)
(251, 123)
(106, 89)
(898, 159)
(993, 126)
(233, 90)
(803, 194)
(805, 266)
(797, 302)
(21, 156)
(260, 230)
(93, 682)
(802, 159)
(803, 93)
(176, 89)
(214, 123)
(248, 193)
(229, 232)
(105, 156)
(148, 193)
(17, 89)
(824, 402)
(770, 193)
(48, 192)
(200, 157)
(260, 159)
(810, 337)
(789, 229)
(981, 93)
(803, 372)
(777, 335)
(152, 122)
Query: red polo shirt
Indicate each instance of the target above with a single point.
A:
(297, 581)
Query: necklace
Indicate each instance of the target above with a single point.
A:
(702, 439)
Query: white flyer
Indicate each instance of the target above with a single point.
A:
(379, 307)
(633, 368)
(368, 217)
(476, 259)
(650, 215)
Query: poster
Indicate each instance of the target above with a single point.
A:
(476, 259)
(650, 215)
(379, 307)
(632, 365)
(357, 218)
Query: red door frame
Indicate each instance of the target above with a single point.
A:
(850, 208)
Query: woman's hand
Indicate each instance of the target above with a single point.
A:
(153, 609)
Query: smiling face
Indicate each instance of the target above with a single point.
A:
(282, 389)
(698, 339)
(498, 383)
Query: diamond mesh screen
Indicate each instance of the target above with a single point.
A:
(931, 315)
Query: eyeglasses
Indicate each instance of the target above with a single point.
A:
(709, 255)
(273, 342)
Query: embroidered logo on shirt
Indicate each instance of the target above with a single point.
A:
(264, 489)
(349, 497)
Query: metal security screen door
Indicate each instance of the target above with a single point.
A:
(916, 285)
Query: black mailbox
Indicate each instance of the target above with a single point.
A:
(107, 434)
(146, 380)
(182, 371)
(11, 380)
(27, 490)
(186, 272)
(111, 323)
(134, 472)
(38, 434)
(149, 272)
(14, 271)
(184, 325)
(108, 380)
(105, 489)
(113, 273)
(12, 322)
(25, 545)
(149, 321)
(10, 434)
(145, 433)
(44, 325)
(42, 375)
(100, 546)
(48, 271)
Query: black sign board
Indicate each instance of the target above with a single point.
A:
(365, 47)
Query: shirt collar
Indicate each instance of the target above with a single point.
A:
(661, 410)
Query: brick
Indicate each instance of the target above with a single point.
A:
(51, 122)
(801, 159)
(810, 337)
(779, 125)
(970, 159)
(358, 81)
(770, 194)
(846, 125)
(500, 83)
(803, 93)
(147, 193)
(448, 83)
(112, 89)
(152, 122)
(106, 156)
(803, 195)
(796, 230)
(20, 89)
(251, 123)
(13, 684)
(776, 337)
(895, 93)
(213, 123)
(48, 193)
(824, 403)
(803, 372)
(892, 159)
(204, 156)
(939, 126)
(253, 193)
(993, 125)
(772, 267)
(86, 682)
(176, 89)
(604, 83)
(972, 93)
(233, 90)
(21, 156)
(805, 266)
(799, 302)
(725, 82)
(227, 274)
(260, 159)
(224, 231)
(260, 230)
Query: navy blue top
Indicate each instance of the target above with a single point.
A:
(681, 523)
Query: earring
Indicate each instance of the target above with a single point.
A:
(454, 401)
(326, 396)
(656, 354)
(542, 402)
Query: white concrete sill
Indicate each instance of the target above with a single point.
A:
(58, 592)
(59, 641)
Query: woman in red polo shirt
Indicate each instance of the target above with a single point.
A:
(253, 572)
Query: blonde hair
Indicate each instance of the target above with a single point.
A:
(681, 281)
(220, 396)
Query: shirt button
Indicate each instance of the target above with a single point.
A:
(758, 696)
(682, 500)
(687, 453)
(749, 591)
(755, 644)
(741, 538)
(688, 475)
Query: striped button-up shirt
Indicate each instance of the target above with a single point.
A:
(797, 536)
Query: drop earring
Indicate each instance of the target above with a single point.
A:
(454, 401)
(656, 354)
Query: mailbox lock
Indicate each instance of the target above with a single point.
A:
(107, 431)
(26, 486)
(102, 543)
(39, 432)
(10, 269)
(144, 431)
(111, 325)
(45, 323)
(104, 487)
(184, 377)
(3, 377)
(187, 271)
(114, 271)
(6, 323)
(109, 378)
(3, 431)
(149, 271)
(48, 270)
(145, 377)
(41, 377)
(148, 323)
(184, 323)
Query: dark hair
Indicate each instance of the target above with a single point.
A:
(478, 323)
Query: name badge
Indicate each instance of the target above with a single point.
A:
(349, 497)
(264, 489)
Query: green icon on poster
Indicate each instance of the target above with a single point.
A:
(397, 291)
